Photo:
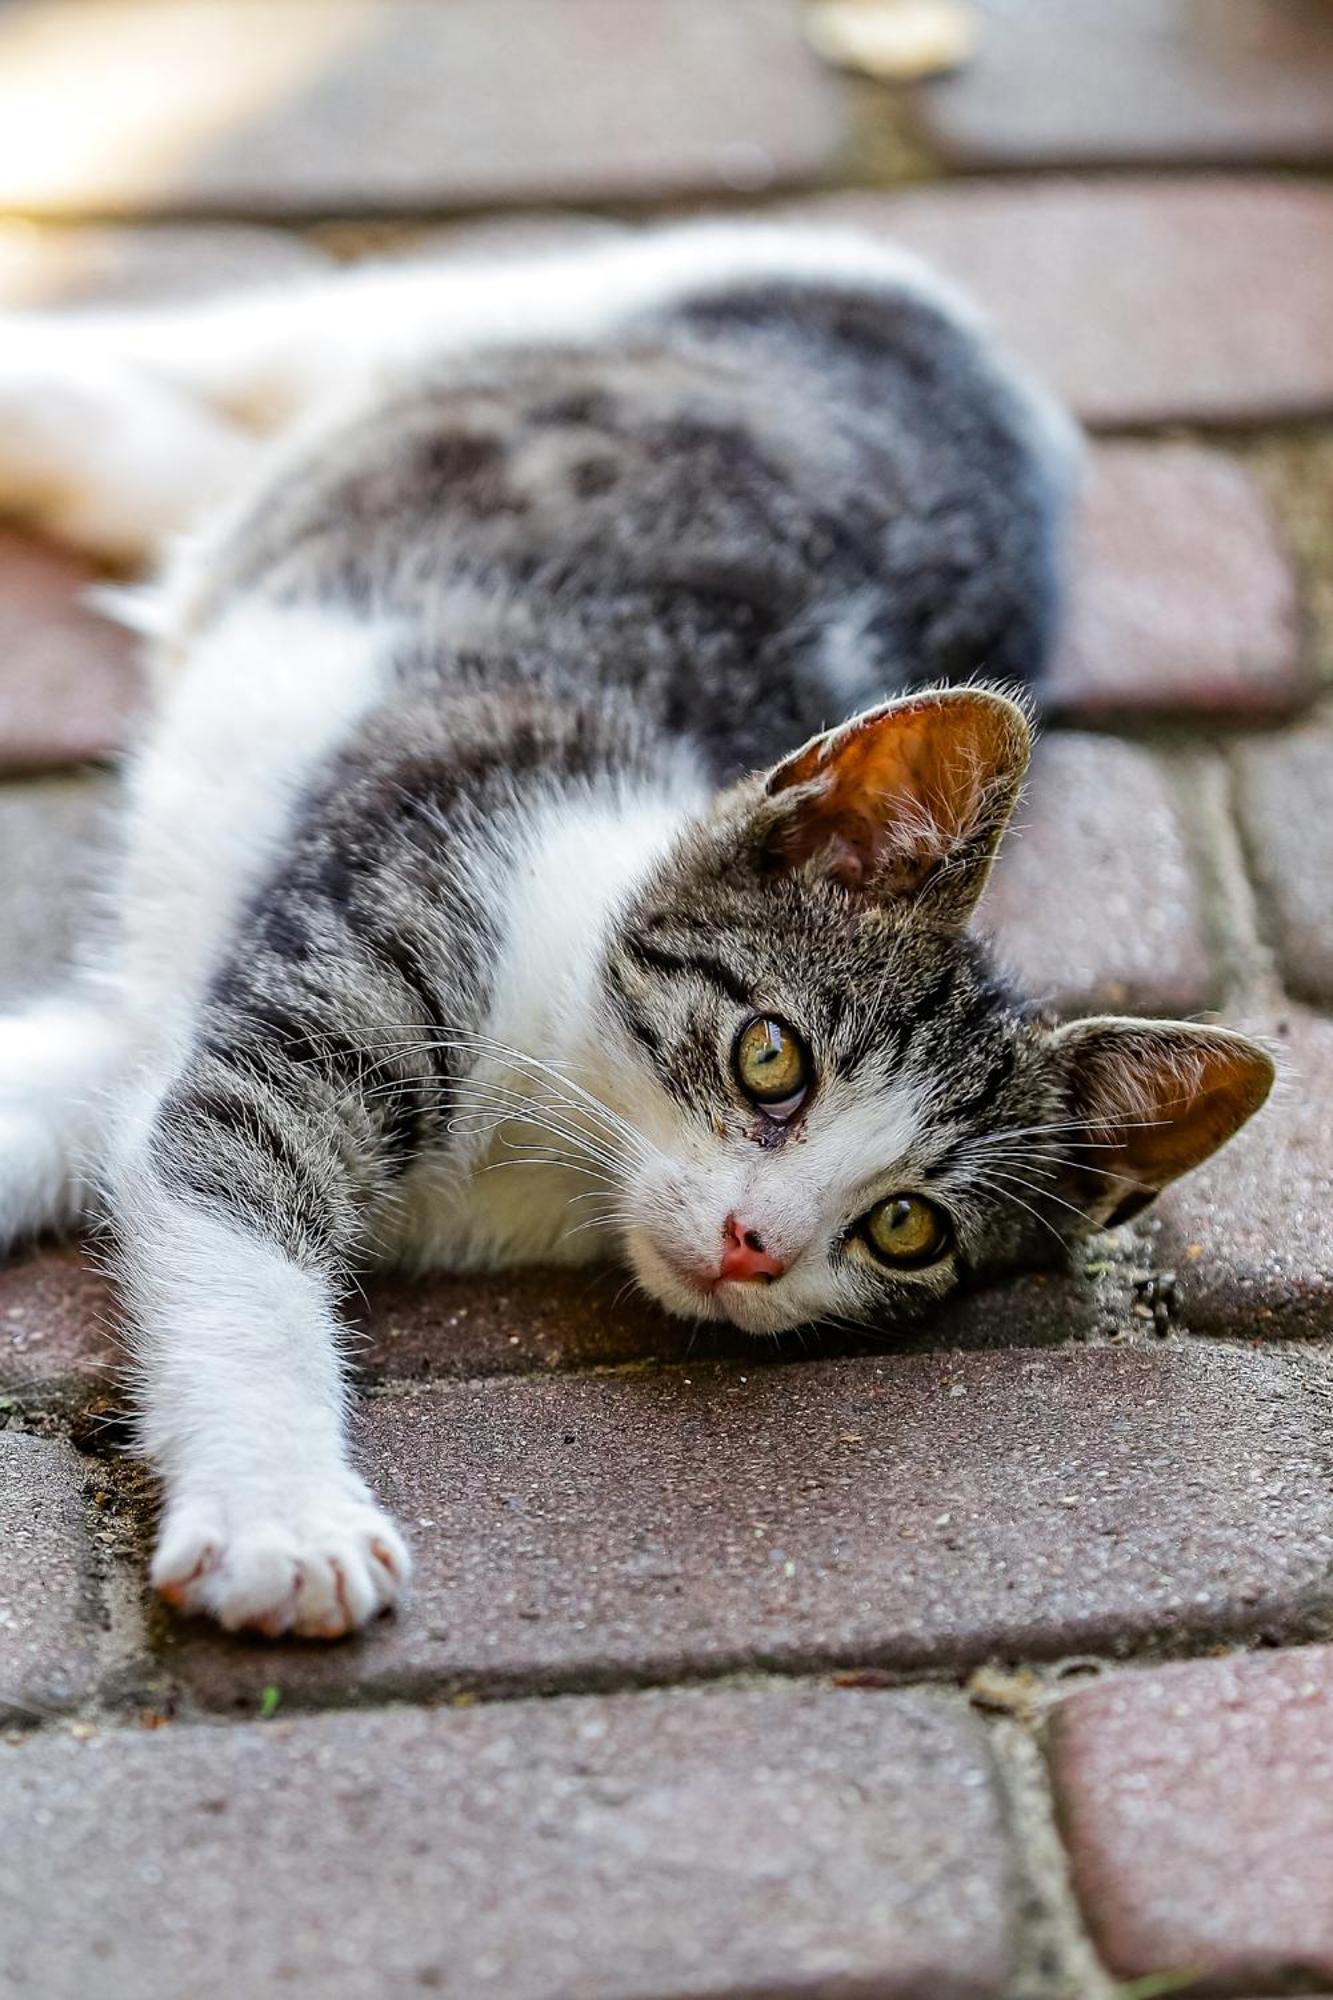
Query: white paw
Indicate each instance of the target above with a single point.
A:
(316, 1561)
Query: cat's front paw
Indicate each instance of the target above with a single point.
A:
(316, 1563)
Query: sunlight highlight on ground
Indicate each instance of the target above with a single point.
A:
(126, 96)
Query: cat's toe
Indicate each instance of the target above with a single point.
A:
(188, 1550)
(319, 1570)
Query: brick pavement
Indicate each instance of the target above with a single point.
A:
(991, 1668)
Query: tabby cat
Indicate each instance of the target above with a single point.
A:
(584, 730)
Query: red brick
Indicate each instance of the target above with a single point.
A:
(1250, 1236)
(1197, 1803)
(918, 1511)
(1093, 901)
(1075, 82)
(349, 109)
(1140, 300)
(58, 1341)
(48, 1591)
(1182, 597)
(1284, 784)
(781, 1841)
(69, 684)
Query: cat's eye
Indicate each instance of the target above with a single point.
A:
(907, 1230)
(773, 1066)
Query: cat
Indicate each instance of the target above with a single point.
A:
(585, 720)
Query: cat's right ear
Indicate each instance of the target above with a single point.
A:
(906, 801)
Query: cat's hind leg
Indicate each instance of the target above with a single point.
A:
(101, 453)
(59, 1059)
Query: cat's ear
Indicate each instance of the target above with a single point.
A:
(1148, 1101)
(908, 800)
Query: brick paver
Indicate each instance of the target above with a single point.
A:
(1141, 300)
(1182, 597)
(53, 840)
(444, 1327)
(72, 267)
(48, 1591)
(347, 108)
(786, 1841)
(1074, 82)
(69, 686)
(1071, 904)
(1198, 1806)
(58, 1341)
(1249, 1238)
(912, 1510)
(1284, 786)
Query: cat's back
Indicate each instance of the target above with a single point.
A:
(739, 466)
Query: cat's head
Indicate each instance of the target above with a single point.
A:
(844, 1111)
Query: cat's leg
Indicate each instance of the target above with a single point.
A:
(59, 1059)
(98, 451)
(119, 428)
(242, 1396)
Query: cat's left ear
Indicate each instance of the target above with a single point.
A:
(1146, 1101)
(908, 800)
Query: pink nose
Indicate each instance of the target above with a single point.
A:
(744, 1255)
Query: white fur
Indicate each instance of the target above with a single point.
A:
(857, 1147)
(266, 355)
(242, 1410)
(58, 1060)
(582, 855)
(98, 450)
(266, 696)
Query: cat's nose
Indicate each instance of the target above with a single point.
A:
(744, 1255)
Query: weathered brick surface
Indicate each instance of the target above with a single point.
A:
(913, 1510)
(1285, 784)
(72, 267)
(1093, 902)
(1074, 82)
(51, 836)
(69, 685)
(1182, 598)
(1250, 1236)
(48, 1593)
(1141, 300)
(343, 108)
(1198, 1807)
(786, 1841)
(58, 1342)
(446, 1326)
(519, 1322)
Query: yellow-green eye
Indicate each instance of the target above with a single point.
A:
(773, 1066)
(907, 1230)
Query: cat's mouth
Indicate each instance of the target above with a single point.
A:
(692, 1292)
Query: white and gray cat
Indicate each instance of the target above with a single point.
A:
(445, 852)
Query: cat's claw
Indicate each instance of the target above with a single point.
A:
(318, 1568)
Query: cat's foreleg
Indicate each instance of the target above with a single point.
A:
(242, 1402)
